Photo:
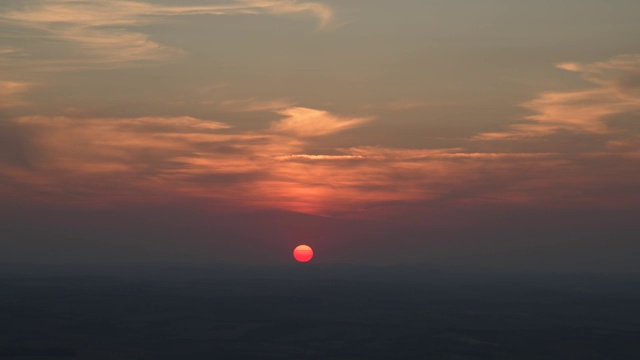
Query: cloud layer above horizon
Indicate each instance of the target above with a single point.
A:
(103, 160)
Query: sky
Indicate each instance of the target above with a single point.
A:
(496, 133)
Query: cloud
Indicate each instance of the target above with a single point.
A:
(6, 51)
(389, 182)
(305, 122)
(102, 161)
(617, 93)
(105, 160)
(102, 32)
(321, 11)
(93, 161)
(10, 92)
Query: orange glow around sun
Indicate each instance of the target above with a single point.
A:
(303, 253)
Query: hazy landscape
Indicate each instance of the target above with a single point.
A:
(319, 312)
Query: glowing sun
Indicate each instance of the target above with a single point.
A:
(303, 253)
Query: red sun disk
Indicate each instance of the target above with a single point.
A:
(303, 253)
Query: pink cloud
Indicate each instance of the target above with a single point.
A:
(305, 122)
(99, 161)
(617, 92)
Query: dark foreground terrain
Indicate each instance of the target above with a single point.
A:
(315, 312)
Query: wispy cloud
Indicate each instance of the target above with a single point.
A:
(617, 92)
(305, 122)
(103, 32)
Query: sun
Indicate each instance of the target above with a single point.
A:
(303, 253)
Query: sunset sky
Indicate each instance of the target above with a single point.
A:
(497, 133)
